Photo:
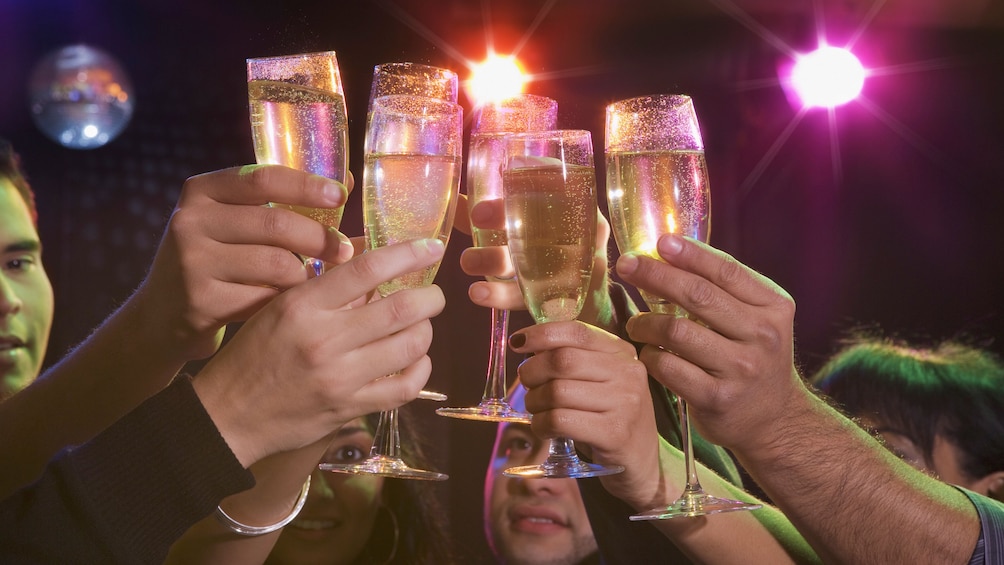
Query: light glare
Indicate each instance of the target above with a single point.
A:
(497, 78)
(827, 77)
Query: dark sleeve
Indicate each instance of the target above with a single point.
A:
(129, 493)
(620, 540)
(990, 547)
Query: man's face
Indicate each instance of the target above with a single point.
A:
(533, 521)
(26, 300)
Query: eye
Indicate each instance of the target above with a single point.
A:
(345, 454)
(517, 446)
(24, 263)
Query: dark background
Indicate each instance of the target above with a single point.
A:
(891, 221)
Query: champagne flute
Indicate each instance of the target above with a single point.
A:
(413, 79)
(657, 183)
(550, 207)
(410, 184)
(298, 120)
(495, 120)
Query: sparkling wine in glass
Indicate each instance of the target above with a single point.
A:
(657, 183)
(298, 120)
(550, 205)
(492, 123)
(410, 185)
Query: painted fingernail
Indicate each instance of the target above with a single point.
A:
(670, 244)
(627, 264)
(517, 340)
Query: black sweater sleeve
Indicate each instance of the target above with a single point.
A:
(129, 493)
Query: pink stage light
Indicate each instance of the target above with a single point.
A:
(827, 77)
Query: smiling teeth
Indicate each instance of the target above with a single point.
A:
(313, 524)
(541, 520)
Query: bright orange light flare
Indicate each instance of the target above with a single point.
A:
(496, 78)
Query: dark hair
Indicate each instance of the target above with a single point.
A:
(951, 389)
(10, 168)
(418, 514)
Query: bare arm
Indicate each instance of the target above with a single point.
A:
(222, 257)
(587, 384)
(850, 498)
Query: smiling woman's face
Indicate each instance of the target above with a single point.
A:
(337, 519)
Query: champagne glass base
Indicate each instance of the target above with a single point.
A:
(386, 467)
(488, 411)
(695, 504)
(573, 468)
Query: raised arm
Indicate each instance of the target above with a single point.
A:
(222, 257)
(854, 501)
(311, 360)
(589, 385)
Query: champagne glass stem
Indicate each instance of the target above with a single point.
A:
(561, 449)
(387, 438)
(686, 441)
(316, 265)
(495, 387)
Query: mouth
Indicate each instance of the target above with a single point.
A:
(313, 525)
(11, 343)
(536, 519)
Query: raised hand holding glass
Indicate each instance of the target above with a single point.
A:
(492, 123)
(550, 206)
(657, 183)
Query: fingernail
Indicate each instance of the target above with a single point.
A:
(432, 246)
(346, 250)
(670, 244)
(517, 340)
(478, 292)
(335, 193)
(480, 215)
(627, 264)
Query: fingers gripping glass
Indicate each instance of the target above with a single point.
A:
(657, 183)
(550, 207)
(410, 184)
(298, 120)
(492, 122)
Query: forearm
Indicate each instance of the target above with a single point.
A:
(758, 536)
(122, 363)
(854, 501)
(278, 481)
(126, 495)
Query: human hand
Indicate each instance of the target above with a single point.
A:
(494, 262)
(587, 384)
(741, 350)
(320, 354)
(224, 255)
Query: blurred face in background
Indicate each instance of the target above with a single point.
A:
(26, 299)
(532, 521)
(340, 511)
(946, 459)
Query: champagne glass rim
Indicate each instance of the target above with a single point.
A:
(555, 134)
(393, 103)
(313, 54)
(667, 101)
(412, 65)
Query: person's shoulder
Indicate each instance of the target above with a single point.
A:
(990, 548)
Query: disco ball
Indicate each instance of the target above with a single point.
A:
(80, 97)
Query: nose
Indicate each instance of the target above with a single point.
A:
(319, 486)
(10, 302)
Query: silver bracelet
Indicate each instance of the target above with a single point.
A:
(245, 530)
